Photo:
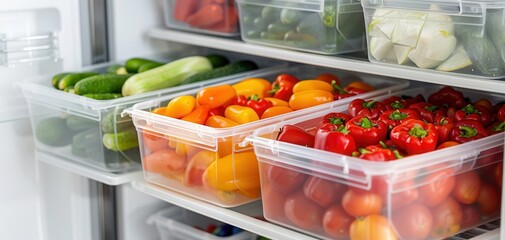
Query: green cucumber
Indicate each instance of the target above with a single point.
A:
(233, 68)
(53, 131)
(117, 69)
(69, 89)
(132, 65)
(114, 122)
(121, 141)
(57, 78)
(103, 96)
(72, 79)
(149, 66)
(217, 60)
(105, 83)
(77, 123)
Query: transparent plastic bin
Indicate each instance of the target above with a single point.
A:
(176, 154)
(460, 37)
(74, 127)
(175, 223)
(317, 182)
(210, 17)
(321, 26)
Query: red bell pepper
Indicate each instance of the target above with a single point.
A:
(393, 118)
(444, 126)
(368, 108)
(448, 96)
(282, 87)
(335, 140)
(259, 105)
(184, 8)
(296, 135)
(339, 93)
(394, 102)
(415, 136)
(496, 127)
(468, 130)
(411, 100)
(479, 113)
(366, 131)
(207, 15)
(379, 153)
(428, 111)
(240, 100)
(500, 113)
(336, 119)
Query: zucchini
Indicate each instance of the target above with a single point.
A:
(121, 141)
(57, 78)
(72, 79)
(117, 69)
(105, 83)
(217, 60)
(168, 75)
(103, 96)
(132, 65)
(149, 66)
(233, 68)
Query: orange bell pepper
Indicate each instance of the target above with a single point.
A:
(251, 86)
(216, 96)
(241, 114)
(277, 102)
(180, 106)
(160, 110)
(198, 115)
(312, 85)
(329, 78)
(309, 98)
(220, 122)
(274, 111)
(360, 85)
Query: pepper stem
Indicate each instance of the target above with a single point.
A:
(397, 115)
(336, 120)
(254, 97)
(467, 131)
(275, 88)
(369, 104)
(418, 131)
(337, 87)
(468, 109)
(500, 127)
(365, 123)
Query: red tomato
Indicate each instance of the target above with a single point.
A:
(489, 200)
(373, 227)
(404, 197)
(320, 191)
(284, 180)
(467, 187)
(359, 204)
(302, 212)
(447, 218)
(336, 221)
(273, 202)
(437, 186)
(197, 166)
(153, 142)
(471, 216)
(164, 161)
(413, 221)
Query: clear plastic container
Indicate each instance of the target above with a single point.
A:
(181, 155)
(321, 26)
(461, 37)
(76, 128)
(317, 191)
(175, 223)
(209, 17)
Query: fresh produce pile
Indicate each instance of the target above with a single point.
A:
(229, 169)
(438, 41)
(212, 15)
(140, 75)
(426, 203)
(339, 28)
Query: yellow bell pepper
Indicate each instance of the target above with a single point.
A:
(241, 114)
(217, 121)
(277, 102)
(180, 106)
(251, 86)
(312, 85)
(274, 111)
(309, 98)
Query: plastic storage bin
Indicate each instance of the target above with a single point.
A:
(74, 127)
(210, 17)
(317, 192)
(464, 37)
(175, 223)
(181, 155)
(321, 26)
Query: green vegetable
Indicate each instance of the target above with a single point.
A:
(77, 123)
(290, 16)
(132, 65)
(217, 60)
(276, 28)
(72, 79)
(69, 89)
(168, 75)
(149, 66)
(57, 78)
(53, 131)
(270, 14)
(103, 96)
(105, 83)
(121, 141)
(233, 68)
(117, 69)
(85, 142)
(481, 51)
(113, 122)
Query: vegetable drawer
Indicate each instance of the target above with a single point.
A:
(91, 131)
(321, 26)
(458, 37)
(372, 192)
(198, 153)
(210, 17)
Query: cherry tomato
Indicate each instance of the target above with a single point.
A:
(153, 141)
(359, 204)
(471, 216)
(447, 218)
(438, 186)
(372, 227)
(320, 191)
(467, 187)
(273, 202)
(284, 180)
(336, 221)
(303, 212)
(489, 200)
(328, 77)
(413, 221)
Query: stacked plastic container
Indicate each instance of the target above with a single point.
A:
(330, 195)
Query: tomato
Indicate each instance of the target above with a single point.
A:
(284, 180)
(320, 191)
(303, 212)
(164, 161)
(471, 216)
(336, 221)
(153, 142)
(273, 202)
(498, 174)
(489, 200)
(404, 197)
(437, 186)
(467, 187)
(447, 218)
(359, 204)
(413, 221)
(328, 77)
(196, 167)
(372, 227)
